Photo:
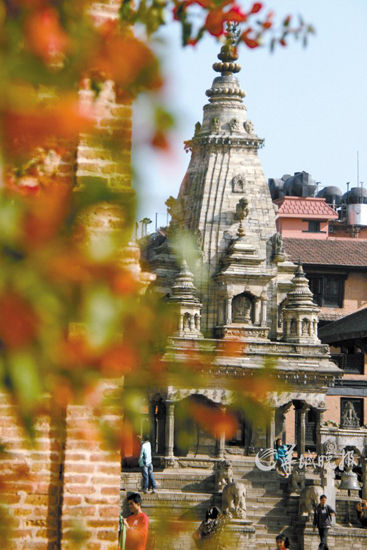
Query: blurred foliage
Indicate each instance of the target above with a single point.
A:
(72, 306)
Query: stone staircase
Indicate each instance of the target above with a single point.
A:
(184, 494)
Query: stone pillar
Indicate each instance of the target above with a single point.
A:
(283, 434)
(364, 478)
(229, 311)
(170, 429)
(270, 430)
(263, 310)
(221, 442)
(319, 423)
(328, 483)
(301, 435)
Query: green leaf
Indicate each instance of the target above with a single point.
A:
(25, 379)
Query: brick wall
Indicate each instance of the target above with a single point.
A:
(29, 477)
(91, 483)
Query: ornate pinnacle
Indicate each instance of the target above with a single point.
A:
(228, 53)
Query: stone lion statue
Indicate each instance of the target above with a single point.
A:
(234, 500)
(223, 474)
(297, 480)
(309, 499)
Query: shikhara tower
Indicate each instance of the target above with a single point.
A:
(225, 202)
(249, 290)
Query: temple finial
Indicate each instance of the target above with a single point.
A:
(228, 53)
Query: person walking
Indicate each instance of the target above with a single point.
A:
(322, 520)
(145, 463)
(133, 530)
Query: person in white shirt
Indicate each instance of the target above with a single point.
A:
(145, 463)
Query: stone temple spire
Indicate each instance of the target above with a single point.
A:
(225, 171)
(184, 296)
(300, 314)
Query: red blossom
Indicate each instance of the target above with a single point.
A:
(248, 40)
(18, 320)
(160, 141)
(45, 35)
(39, 125)
(216, 19)
(119, 360)
(214, 420)
(256, 7)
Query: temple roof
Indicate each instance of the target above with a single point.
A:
(299, 207)
(332, 252)
(350, 327)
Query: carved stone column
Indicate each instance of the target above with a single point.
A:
(170, 430)
(301, 435)
(319, 422)
(229, 311)
(221, 445)
(270, 430)
(263, 313)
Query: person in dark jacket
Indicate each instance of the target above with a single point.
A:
(322, 520)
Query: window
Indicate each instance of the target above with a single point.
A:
(328, 289)
(314, 226)
(351, 412)
(352, 363)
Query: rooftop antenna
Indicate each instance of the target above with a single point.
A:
(357, 168)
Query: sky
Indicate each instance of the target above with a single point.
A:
(310, 104)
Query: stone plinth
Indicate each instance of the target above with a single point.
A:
(239, 332)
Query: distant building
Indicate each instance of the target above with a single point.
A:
(328, 235)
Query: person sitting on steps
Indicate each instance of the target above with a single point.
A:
(280, 455)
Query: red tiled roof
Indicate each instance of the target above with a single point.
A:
(343, 252)
(299, 207)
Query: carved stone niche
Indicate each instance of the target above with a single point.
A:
(238, 184)
(350, 418)
(242, 309)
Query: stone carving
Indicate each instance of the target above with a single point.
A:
(249, 127)
(234, 125)
(350, 418)
(223, 474)
(241, 309)
(329, 447)
(297, 480)
(234, 500)
(175, 210)
(238, 184)
(278, 246)
(197, 128)
(309, 499)
(214, 124)
(241, 209)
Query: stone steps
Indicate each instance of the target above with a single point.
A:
(185, 493)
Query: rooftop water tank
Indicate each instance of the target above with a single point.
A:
(356, 206)
(331, 194)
